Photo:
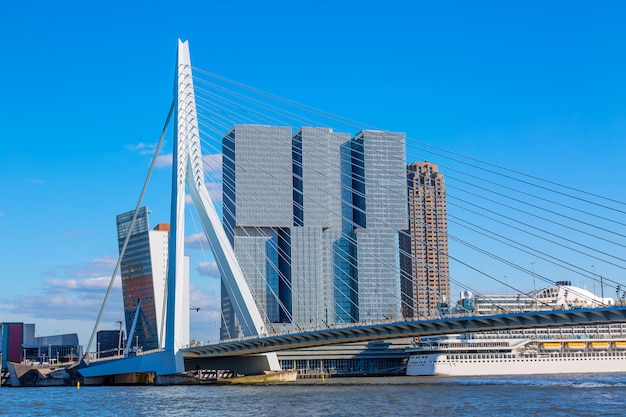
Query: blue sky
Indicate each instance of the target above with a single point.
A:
(535, 86)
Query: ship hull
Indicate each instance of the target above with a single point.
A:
(443, 365)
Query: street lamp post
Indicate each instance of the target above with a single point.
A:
(119, 339)
(506, 288)
(594, 283)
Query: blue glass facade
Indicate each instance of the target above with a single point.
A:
(137, 279)
(318, 245)
(378, 162)
(314, 220)
(258, 208)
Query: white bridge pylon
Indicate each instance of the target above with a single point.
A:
(188, 174)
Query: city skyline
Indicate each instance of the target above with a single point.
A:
(537, 88)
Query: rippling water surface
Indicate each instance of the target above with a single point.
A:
(569, 395)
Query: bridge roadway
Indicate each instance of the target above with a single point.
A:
(400, 329)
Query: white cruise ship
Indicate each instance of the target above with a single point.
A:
(575, 349)
(589, 349)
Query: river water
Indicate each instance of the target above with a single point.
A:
(563, 395)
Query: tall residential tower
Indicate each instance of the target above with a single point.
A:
(424, 246)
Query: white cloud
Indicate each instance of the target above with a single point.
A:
(196, 241)
(82, 285)
(204, 299)
(70, 304)
(143, 148)
(164, 161)
(213, 166)
(215, 191)
(60, 303)
(204, 315)
(208, 269)
(97, 267)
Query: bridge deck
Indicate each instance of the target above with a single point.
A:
(381, 331)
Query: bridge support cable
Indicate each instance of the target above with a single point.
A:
(532, 252)
(131, 227)
(516, 200)
(283, 256)
(221, 110)
(267, 202)
(530, 180)
(188, 173)
(247, 256)
(524, 226)
(255, 111)
(420, 147)
(131, 333)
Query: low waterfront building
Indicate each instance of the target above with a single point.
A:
(12, 337)
(53, 349)
(375, 358)
(562, 296)
(19, 344)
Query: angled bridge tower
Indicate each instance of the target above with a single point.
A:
(188, 175)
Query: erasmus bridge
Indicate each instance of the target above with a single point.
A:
(307, 234)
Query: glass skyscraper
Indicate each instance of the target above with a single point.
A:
(144, 274)
(258, 211)
(380, 213)
(295, 211)
(318, 244)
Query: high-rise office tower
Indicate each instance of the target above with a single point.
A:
(380, 214)
(424, 246)
(319, 248)
(258, 210)
(144, 274)
(289, 203)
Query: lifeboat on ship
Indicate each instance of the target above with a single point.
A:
(551, 345)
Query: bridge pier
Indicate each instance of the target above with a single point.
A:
(243, 365)
(156, 363)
